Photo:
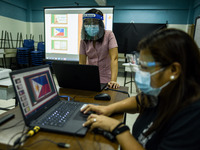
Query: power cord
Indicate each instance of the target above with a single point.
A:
(66, 97)
(22, 134)
(80, 143)
(108, 135)
(107, 88)
(63, 145)
(69, 98)
(1, 129)
(6, 108)
(31, 133)
(97, 141)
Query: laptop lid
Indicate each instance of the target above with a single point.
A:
(35, 91)
(76, 76)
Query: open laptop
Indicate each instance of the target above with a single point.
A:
(40, 104)
(76, 76)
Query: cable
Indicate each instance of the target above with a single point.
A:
(6, 108)
(18, 139)
(77, 139)
(68, 98)
(31, 133)
(63, 145)
(97, 141)
(80, 143)
(107, 88)
(12, 138)
(10, 106)
(1, 129)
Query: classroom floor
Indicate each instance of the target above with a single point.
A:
(130, 117)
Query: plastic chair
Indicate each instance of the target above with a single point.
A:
(23, 53)
(28, 43)
(38, 56)
(41, 46)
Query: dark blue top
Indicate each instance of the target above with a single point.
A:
(182, 132)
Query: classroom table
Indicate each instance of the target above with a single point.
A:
(39, 141)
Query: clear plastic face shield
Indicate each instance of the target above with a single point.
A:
(148, 66)
(93, 27)
(143, 78)
(135, 64)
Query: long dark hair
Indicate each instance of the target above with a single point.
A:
(168, 46)
(96, 11)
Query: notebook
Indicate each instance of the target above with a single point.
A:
(76, 76)
(40, 105)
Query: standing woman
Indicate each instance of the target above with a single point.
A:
(99, 47)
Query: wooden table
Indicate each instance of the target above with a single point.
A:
(90, 142)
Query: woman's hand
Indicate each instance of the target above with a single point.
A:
(100, 121)
(113, 84)
(100, 110)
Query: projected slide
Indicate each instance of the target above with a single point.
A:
(63, 30)
(59, 32)
(59, 45)
(59, 19)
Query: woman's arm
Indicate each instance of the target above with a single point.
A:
(114, 63)
(125, 139)
(82, 59)
(128, 105)
(114, 67)
(128, 142)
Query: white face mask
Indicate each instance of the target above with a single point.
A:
(143, 82)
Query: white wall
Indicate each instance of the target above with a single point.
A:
(189, 28)
(36, 29)
(13, 26)
(26, 28)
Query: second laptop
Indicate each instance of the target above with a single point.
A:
(76, 76)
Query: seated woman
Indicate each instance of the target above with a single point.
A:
(169, 102)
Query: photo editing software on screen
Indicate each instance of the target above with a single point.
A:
(63, 31)
(34, 89)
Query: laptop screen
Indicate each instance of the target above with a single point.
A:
(34, 88)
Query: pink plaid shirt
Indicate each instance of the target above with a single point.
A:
(100, 54)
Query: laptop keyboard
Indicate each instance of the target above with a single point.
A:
(61, 114)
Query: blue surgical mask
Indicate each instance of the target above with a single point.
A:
(92, 30)
(143, 82)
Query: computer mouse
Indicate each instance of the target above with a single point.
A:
(102, 96)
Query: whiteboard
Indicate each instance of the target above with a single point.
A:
(197, 31)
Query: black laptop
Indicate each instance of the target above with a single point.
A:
(76, 76)
(40, 104)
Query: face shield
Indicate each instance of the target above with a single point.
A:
(93, 27)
